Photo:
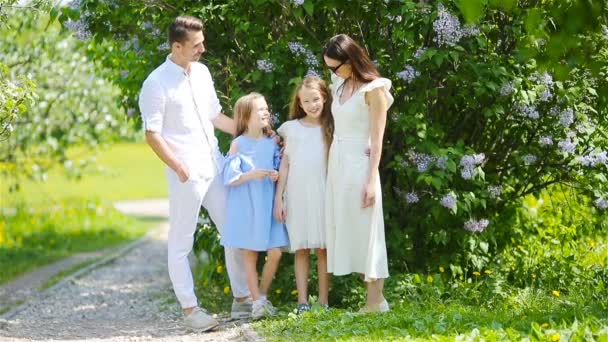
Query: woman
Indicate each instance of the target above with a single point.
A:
(355, 223)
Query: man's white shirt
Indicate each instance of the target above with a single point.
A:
(180, 107)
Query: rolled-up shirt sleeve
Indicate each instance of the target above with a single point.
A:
(152, 105)
(215, 108)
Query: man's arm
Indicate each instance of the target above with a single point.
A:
(162, 150)
(224, 124)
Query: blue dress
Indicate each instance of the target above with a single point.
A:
(249, 223)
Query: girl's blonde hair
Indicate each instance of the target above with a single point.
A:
(327, 121)
(243, 108)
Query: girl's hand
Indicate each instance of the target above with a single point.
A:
(369, 195)
(279, 212)
(274, 175)
(257, 174)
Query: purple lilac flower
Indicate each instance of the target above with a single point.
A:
(419, 52)
(546, 79)
(124, 73)
(529, 159)
(601, 203)
(448, 30)
(554, 111)
(409, 74)
(476, 226)
(411, 197)
(494, 191)
(79, 29)
(546, 95)
(275, 118)
(528, 111)
(163, 47)
(449, 201)
(265, 65)
(566, 117)
(507, 89)
(545, 140)
(312, 72)
(298, 2)
(469, 163)
(299, 50)
(441, 161)
(593, 159)
(423, 161)
(131, 112)
(567, 145)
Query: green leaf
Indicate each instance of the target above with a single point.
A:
(534, 20)
(472, 10)
(309, 7)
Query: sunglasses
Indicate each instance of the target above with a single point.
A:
(335, 69)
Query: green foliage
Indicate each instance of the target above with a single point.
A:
(36, 236)
(72, 107)
(530, 315)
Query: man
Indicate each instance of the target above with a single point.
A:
(179, 109)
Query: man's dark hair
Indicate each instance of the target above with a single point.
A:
(179, 28)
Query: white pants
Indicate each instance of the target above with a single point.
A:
(185, 201)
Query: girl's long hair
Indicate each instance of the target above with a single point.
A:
(345, 49)
(327, 121)
(243, 108)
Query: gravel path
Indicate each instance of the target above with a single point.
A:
(128, 299)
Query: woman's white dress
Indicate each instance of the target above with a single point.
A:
(355, 236)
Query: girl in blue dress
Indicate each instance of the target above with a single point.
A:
(250, 173)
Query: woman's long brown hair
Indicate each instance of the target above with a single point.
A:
(243, 108)
(327, 121)
(345, 49)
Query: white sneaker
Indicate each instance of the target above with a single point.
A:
(262, 308)
(200, 321)
(382, 307)
(241, 310)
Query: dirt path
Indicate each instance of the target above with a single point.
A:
(129, 298)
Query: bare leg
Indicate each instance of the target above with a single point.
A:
(251, 258)
(374, 292)
(323, 276)
(270, 268)
(301, 266)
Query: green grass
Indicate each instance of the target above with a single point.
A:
(35, 236)
(525, 314)
(124, 171)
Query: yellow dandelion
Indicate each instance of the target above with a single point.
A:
(544, 325)
(429, 279)
(555, 293)
(227, 290)
(278, 291)
(219, 269)
(534, 275)
(441, 269)
(488, 272)
(477, 274)
(294, 292)
(555, 337)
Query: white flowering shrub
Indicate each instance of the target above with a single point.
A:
(51, 101)
(494, 100)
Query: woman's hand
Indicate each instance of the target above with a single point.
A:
(274, 175)
(279, 212)
(369, 195)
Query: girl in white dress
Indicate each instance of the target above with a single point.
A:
(300, 194)
(355, 223)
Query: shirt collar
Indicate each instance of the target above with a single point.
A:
(175, 67)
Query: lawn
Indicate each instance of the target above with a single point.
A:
(124, 171)
(45, 222)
